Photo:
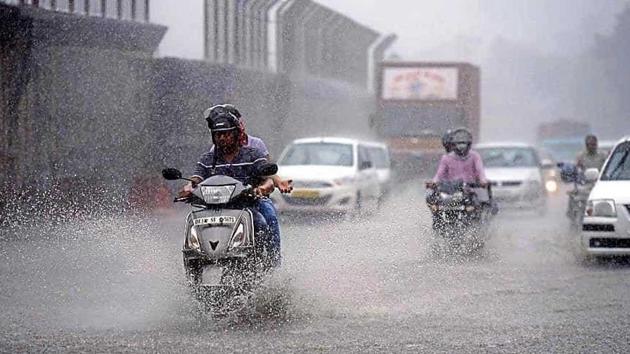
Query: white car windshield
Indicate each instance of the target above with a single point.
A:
(508, 157)
(618, 167)
(331, 154)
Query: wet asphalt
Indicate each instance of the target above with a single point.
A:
(372, 284)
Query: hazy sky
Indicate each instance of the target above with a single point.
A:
(424, 25)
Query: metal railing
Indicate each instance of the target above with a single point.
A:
(291, 36)
(131, 10)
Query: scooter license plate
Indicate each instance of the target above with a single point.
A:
(215, 220)
(211, 275)
(305, 193)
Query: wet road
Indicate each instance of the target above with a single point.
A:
(373, 285)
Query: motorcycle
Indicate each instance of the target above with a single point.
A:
(225, 245)
(578, 196)
(461, 212)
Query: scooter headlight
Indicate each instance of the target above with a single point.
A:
(193, 239)
(217, 194)
(240, 237)
(601, 208)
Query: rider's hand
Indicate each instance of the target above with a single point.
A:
(285, 185)
(186, 192)
(430, 184)
(264, 189)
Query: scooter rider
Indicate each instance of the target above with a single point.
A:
(285, 186)
(265, 205)
(461, 163)
(231, 159)
(590, 157)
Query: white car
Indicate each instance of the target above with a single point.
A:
(516, 175)
(329, 174)
(380, 158)
(606, 224)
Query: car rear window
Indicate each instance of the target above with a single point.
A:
(329, 154)
(508, 157)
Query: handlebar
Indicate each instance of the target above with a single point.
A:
(432, 185)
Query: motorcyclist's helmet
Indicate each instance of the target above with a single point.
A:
(232, 109)
(461, 141)
(447, 141)
(220, 119)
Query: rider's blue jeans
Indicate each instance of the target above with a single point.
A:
(268, 211)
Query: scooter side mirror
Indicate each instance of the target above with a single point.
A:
(591, 175)
(171, 174)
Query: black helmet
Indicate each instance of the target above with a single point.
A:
(232, 109)
(461, 135)
(220, 118)
(461, 140)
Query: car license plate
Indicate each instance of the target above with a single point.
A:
(215, 220)
(305, 193)
(211, 275)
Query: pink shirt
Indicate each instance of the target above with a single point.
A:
(467, 169)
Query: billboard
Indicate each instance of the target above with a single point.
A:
(419, 83)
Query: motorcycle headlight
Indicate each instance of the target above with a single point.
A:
(193, 239)
(551, 186)
(217, 194)
(240, 237)
(601, 208)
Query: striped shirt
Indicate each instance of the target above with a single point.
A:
(241, 168)
(253, 142)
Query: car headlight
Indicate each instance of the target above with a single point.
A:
(601, 207)
(217, 194)
(193, 239)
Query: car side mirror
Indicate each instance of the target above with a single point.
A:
(366, 164)
(591, 175)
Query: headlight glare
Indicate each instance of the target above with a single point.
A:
(217, 194)
(601, 208)
(551, 186)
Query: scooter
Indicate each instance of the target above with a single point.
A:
(225, 240)
(578, 196)
(461, 212)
